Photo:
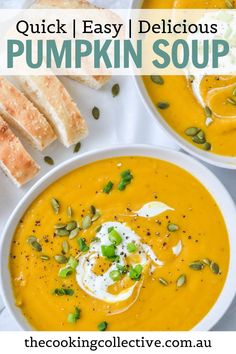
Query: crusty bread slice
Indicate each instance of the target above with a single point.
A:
(93, 81)
(14, 159)
(52, 99)
(19, 112)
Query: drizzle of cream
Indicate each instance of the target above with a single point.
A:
(152, 209)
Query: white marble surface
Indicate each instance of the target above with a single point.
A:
(123, 120)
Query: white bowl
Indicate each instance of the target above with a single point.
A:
(211, 158)
(189, 164)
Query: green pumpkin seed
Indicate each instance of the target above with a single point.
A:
(62, 232)
(96, 113)
(181, 281)
(48, 160)
(92, 210)
(231, 101)
(36, 246)
(65, 247)
(45, 258)
(191, 78)
(192, 131)
(86, 222)
(61, 259)
(31, 239)
(207, 261)
(77, 148)
(234, 92)
(215, 268)
(201, 135)
(157, 79)
(69, 212)
(197, 265)
(163, 105)
(208, 111)
(96, 216)
(172, 227)
(73, 233)
(163, 281)
(60, 225)
(115, 90)
(207, 146)
(229, 4)
(95, 239)
(55, 205)
(198, 140)
(71, 225)
(98, 229)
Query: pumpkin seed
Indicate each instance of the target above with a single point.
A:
(231, 101)
(208, 111)
(61, 259)
(60, 226)
(96, 216)
(207, 261)
(31, 239)
(69, 212)
(62, 232)
(71, 225)
(157, 79)
(191, 78)
(234, 92)
(77, 148)
(229, 4)
(95, 239)
(48, 160)
(215, 268)
(181, 281)
(172, 227)
(192, 131)
(201, 135)
(115, 90)
(65, 247)
(92, 210)
(197, 265)
(163, 282)
(36, 246)
(163, 105)
(73, 233)
(96, 113)
(86, 222)
(98, 229)
(198, 140)
(207, 146)
(45, 258)
(55, 205)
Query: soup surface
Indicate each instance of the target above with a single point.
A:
(206, 103)
(128, 243)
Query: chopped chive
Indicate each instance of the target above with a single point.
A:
(131, 247)
(102, 326)
(65, 272)
(82, 244)
(126, 178)
(74, 317)
(115, 237)
(109, 252)
(115, 275)
(63, 291)
(136, 272)
(108, 187)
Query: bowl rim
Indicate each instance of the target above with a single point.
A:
(192, 166)
(217, 160)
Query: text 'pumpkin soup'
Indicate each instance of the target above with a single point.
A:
(129, 243)
(201, 109)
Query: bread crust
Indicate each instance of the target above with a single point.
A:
(52, 99)
(19, 112)
(14, 159)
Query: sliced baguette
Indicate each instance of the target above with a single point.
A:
(52, 99)
(93, 81)
(14, 159)
(19, 112)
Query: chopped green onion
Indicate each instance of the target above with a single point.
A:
(62, 292)
(65, 272)
(102, 326)
(115, 275)
(122, 269)
(82, 244)
(131, 247)
(74, 317)
(72, 263)
(108, 187)
(126, 178)
(115, 237)
(136, 272)
(109, 252)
